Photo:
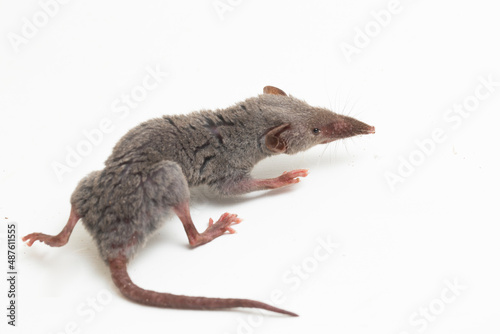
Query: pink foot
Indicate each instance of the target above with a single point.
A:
(224, 223)
(290, 177)
(218, 228)
(51, 240)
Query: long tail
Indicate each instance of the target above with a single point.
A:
(122, 280)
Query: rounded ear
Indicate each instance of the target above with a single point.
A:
(274, 142)
(273, 90)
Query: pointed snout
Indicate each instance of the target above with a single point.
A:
(369, 130)
(345, 127)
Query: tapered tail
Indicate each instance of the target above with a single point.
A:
(122, 280)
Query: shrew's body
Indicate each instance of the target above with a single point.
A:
(152, 167)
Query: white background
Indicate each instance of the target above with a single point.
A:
(397, 246)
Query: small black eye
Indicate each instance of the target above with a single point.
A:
(316, 131)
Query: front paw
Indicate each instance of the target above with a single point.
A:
(292, 176)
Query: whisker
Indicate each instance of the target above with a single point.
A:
(353, 105)
(322, 153)
(337, 99)
(347, 100)
(346, 149)
(325, 78)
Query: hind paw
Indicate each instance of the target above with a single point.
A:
(53, 241)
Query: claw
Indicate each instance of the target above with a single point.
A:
(53, 241)
(223, 224)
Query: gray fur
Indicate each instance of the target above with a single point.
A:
(152, 167)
